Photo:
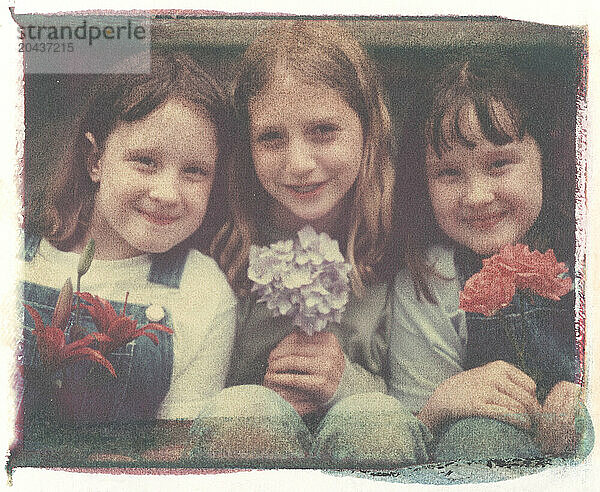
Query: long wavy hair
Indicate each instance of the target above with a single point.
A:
(62, 212)
(484, 81)
(321, 53)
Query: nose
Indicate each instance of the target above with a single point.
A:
(479, 191)
(164, 186)
(299, 160)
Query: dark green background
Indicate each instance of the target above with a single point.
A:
(405, 50)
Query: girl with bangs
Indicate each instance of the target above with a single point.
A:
(317, 139)
(485, 166)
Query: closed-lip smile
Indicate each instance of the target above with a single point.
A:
(158, 218)
(305, 189)
(485, 221)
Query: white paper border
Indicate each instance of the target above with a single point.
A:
(554, 12)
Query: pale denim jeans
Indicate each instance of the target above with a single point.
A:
(252, 425)
(479, 438)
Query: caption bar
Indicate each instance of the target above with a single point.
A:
(84, 44)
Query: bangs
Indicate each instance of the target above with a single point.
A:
(452, 122)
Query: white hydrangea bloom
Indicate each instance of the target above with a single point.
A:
(306, 279)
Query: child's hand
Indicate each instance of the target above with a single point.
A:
(302, 402)
(306, 369)
(556, 427)
(496, 390)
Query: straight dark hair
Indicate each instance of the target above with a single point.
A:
(485, 81)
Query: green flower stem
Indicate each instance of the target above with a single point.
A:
(509, 334)
(78, 301)
(518, 343)
(85, 261)
(521, 348)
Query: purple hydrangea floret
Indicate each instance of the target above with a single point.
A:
(306, 279)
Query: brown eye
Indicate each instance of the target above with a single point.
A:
(447, 172)
(272, 139)
(324, 132)
(499, 163)
(269, 136)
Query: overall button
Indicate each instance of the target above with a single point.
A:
(155, 313)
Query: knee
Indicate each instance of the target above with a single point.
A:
(482, 438)
(246, 401)
(251, 423)
(585, 432)
(357, 413)
(365, 404)
(371, 429)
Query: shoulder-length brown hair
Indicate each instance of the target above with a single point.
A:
(322, 53)
(483, 80)
(63, 211)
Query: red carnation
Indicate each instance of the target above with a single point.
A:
(488, 291)
(538, 272)
(514, 267)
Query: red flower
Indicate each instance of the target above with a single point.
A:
(514, 267)
(487, 291)
(101, 310)
(533, 270)
(54, 351)
(120, 329)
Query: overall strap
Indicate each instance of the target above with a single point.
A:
(31, 244)
(167, 268)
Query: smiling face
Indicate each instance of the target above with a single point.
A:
(154, 180)
(306, 144)
(489, 195)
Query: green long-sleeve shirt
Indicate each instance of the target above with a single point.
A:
(362, 335)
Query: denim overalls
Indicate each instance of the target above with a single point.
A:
(84, 391)
(550, 350)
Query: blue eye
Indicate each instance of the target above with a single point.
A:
(144, 161)
(194, 170)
